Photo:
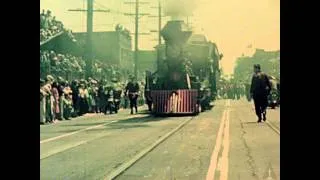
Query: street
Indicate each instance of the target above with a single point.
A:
(223, 143)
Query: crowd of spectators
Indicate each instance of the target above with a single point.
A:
(56, 63)
(49, 25)
(62, 100)
(59, 64)
(64, 94)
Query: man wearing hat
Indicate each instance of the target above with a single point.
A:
(101, 96)
(133, 89)
(83, 98)
(260, 89)
(49, 98)
(67, 101)
(117, 91)
(43, 95)
(75, 97)
(92, 95)
(61, 85)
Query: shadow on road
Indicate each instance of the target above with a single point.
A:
(251, 122)
(118, 126)
(64, 131)
(85, 124)
(148, 118)
(128, 122)
(126, 126)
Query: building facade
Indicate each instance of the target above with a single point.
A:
(110, 47)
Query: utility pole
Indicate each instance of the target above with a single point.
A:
(136, 40)
(159, 21)
(159, 30)
(159, 34)
(89, 55)
(136, 34)
(89, 52)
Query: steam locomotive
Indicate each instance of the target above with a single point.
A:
(187, 72)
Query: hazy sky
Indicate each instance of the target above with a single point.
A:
(232, 24)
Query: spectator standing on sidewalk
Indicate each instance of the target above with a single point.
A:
(43, 95)
(83, 101)
(67, 104)
(55, 94)
(49, 99)
(61, 84)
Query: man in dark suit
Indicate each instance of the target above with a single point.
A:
(260, 89)
(133, 89)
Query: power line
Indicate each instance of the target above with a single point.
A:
(111, 10)
(136, 14)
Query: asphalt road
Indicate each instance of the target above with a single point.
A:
(223, 143)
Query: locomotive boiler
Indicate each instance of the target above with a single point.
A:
(187, 72)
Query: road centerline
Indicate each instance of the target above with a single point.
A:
(225, 154)
(214, 157)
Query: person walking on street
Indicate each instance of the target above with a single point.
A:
(260, 89)
(133, 89)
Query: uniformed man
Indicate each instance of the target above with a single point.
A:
(133, 89)
(260, 89)
(147, 91)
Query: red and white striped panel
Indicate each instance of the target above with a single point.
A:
(167, 102)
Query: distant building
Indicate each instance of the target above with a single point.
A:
(112, 47)
(261, 53)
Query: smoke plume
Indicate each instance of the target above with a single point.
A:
(178, 9)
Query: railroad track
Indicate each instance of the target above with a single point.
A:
(115, 120)
(273, 127)
(128, 163)
(121, 169)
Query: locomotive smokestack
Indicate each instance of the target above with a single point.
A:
(176, 34)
